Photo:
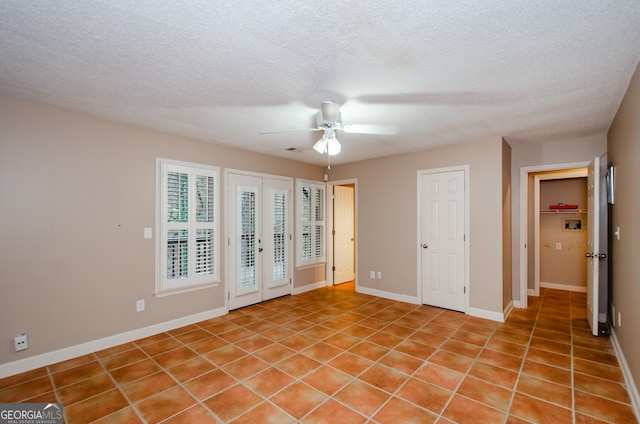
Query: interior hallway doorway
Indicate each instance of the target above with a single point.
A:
(341, 264)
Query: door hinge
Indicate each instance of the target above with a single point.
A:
(333, 232)
(290, 281)
(464, 290)
(333, 268)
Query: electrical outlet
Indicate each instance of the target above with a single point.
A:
(140, 305)
(372, 274)
(21, 342)
(379, 274)
(558, 246)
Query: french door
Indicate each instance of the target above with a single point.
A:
(259, 238)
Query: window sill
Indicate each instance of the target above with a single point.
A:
(307, 266)
(187, 289)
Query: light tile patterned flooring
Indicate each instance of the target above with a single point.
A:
(336, 356)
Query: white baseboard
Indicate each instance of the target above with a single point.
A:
(507, 311)
(309, 287)
(531, 292)
(567, 287)
(482, 313)
(388, 295)
(632, 389)
(44, 359)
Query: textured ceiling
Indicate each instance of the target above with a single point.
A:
(222, 71)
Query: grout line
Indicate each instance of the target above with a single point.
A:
(56, 394)
(466, 373)
(573, 390)
(119, 388)
(305, 307)
(524, 356)
(299, 379)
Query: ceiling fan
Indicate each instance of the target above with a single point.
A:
(329, 120)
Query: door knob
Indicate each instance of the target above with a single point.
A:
(588, 255)
(424, 245)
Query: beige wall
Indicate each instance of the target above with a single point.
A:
(76, 194)
(624, 153)
(506, 225)
(567, 266)
(387, 218)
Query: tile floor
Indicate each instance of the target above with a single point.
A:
(336, 356)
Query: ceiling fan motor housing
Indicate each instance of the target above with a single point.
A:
(330, 113)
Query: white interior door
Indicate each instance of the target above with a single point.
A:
(442, 226)
(259, 239)
(597, 245)
(344, 236)
(593, 243)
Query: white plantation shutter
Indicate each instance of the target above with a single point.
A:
(311, 223)
(248, 239)
(188, 228)
(279, 234)
(318, 245)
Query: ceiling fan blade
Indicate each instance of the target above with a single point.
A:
(293, 130)
(370, 129)
(330, 112)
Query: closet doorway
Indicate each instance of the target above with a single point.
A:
(529, 213)
(560, 230)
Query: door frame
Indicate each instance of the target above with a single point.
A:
(225, 214)
(537, 178)
(330, 236)
(420, 173)
(524, 219)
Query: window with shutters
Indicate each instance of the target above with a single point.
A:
(188, 230)
(310, 223)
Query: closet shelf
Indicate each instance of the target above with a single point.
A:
(565, 211)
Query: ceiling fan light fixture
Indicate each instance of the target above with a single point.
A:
(321, 146)
(333, 146)
(328, 144)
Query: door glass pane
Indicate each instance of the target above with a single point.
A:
(177, 253)
(247, 239)
(279, 235)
